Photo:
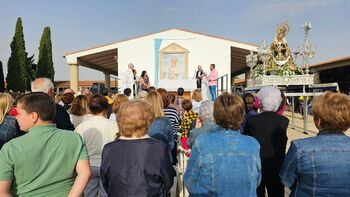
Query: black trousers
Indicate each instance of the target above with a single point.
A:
(199, 83)
(273, 185)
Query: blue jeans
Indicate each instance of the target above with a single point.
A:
(94, 187)
(212, 90)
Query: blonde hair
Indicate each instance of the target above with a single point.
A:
(118, 100)
(6, 104)
(80, 106)
(134, 118)
(197, 95)
(333, 111)
(155, 99)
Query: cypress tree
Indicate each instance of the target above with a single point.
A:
(45, 64)
(2, 82)
(31, 70)
(16, 66)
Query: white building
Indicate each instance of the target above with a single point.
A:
(157, 51)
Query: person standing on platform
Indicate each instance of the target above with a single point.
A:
(206, 95)
(144, 81)
(127, 80)
(199, 75)
(136, 87)
(213, 81)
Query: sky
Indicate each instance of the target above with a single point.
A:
(81, 24)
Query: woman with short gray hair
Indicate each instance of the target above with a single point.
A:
(205, 122)
(270, 130)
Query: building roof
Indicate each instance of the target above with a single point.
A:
(333, 63)
(104, 57)
(180, 29)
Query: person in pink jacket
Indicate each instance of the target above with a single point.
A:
(213, 81)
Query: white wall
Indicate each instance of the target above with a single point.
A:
(203, 50)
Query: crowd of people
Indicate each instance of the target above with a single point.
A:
(116, 145)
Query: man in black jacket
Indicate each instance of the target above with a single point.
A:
(61, 118)
(270, 130)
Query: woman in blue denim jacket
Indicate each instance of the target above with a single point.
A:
(161, 127)
(319, 166)
(8, 124)
(224, 162)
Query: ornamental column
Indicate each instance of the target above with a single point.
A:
(74, 77)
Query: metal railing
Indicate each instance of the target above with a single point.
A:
(222, 84)
(181, 168)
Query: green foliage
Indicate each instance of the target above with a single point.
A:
(16, 66)
(31, 70)
(45, 66)
(2, 82)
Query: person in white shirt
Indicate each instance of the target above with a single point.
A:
(96, 132)
(127, 78)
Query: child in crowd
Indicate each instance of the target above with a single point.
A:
(188, 121)
(179, 99)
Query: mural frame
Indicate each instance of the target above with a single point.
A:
(173, 54)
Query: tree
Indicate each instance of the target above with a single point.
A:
(2, 82)
(45, 64)
(31, 70)
(17, 64)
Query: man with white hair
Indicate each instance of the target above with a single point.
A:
(270, 130)
(127, 79)
(61, 118)
(204, 123)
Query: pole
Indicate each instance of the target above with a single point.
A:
(305, 115)
(293, 123)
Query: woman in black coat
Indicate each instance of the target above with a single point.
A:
(135, 164)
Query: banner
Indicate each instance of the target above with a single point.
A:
(157, 43)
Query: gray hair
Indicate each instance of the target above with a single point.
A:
(206, 111)
(130, 65)
(42, 85)
(270, 98)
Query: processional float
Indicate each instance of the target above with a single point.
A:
(275, 65)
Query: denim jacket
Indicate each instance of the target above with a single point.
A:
(8, 130)
(223, 163)
(318, 166)
(161, 129)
